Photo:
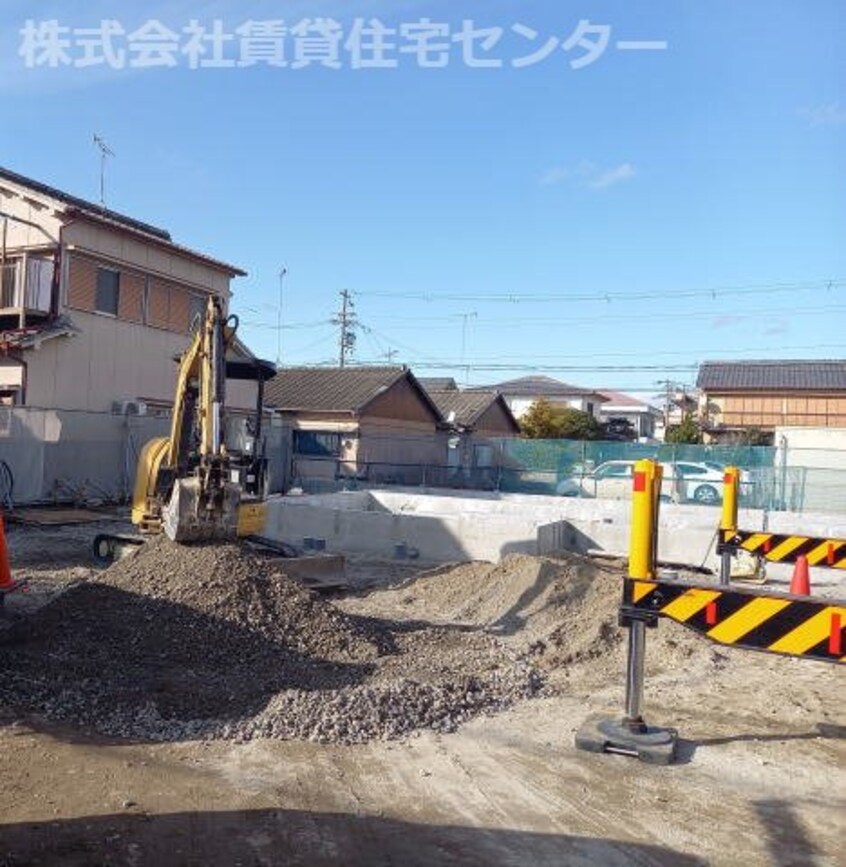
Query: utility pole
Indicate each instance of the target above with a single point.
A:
(347, 322)
(105, 152)
(282, 274)
(464, 319)
(390, 354)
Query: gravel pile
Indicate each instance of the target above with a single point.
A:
(212, 641)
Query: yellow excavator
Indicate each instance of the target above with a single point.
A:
(189, 485)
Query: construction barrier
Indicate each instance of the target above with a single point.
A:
(786, 624)
(752, 619)
(774, 547)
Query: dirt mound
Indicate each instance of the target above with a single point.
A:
(212, 641)
(561, 609)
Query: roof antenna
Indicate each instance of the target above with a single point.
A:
(105, 152)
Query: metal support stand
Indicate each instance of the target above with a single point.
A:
(631, 736)
(725, 568)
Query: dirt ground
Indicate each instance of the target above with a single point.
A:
(760, 779)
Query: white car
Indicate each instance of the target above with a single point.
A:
(703, 482)
(682, 481)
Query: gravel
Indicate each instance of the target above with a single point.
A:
(213, 641)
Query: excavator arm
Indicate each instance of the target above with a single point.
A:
(183, 485)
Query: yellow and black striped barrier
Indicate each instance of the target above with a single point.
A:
(786, 624)
(786, 548)
(775, 547)
(747, 618)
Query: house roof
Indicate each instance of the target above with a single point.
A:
(77, 207)
(337, 389)
(772, 375)
(465, 408)
(537, 386)
(618, 400)
(438, 383)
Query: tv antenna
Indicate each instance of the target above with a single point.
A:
(105, 153)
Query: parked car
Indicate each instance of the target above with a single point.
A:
(611, 480)
(682, 481)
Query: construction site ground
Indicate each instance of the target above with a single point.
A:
(760, 777)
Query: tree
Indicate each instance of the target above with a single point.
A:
(686, 432)
(547, 422)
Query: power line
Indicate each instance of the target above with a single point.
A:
(608, 297)
(556, 322)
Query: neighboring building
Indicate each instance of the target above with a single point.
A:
(94, 305)
(739, 396)
(677, 405)
(642, 417)
(473, 419)
(95, 309)
(371, 423)
(521, 393)
(484, 413)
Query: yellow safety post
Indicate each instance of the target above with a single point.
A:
(631, 735)
(728, 521)
(646, 491)
(731, 482)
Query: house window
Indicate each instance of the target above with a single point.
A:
(196, 310)
(317, 443)
(108, 291)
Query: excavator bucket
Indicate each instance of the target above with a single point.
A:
(187, 518)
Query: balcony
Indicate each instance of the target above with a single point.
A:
(25, 287)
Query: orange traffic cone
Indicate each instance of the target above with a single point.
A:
(6, 582)
(800, 583)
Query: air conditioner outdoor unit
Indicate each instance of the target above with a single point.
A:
(129, 407)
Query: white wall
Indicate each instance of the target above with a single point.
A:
(520, 405)
(108, 360)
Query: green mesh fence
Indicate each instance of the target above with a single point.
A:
(796, 480)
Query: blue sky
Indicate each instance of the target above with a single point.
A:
(610, 225)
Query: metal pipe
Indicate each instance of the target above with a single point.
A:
(215, 428)
(634, 673)
(725, 568)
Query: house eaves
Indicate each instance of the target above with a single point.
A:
(75, 208)
(776, 375)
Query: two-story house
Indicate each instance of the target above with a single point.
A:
(521, 393)
(738, 396)
(94, 305)
(95, 309)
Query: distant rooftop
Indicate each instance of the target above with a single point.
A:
(335, 389)
(536, 386)
(785, 375)
(465, 408)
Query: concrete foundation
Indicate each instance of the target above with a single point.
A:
(445, 526)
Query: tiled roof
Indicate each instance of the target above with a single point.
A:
(772, 375)
(617, 398)
(82, 204)
(467, 406)
(335, 389)
(88, 210)
(438, 383)
(536, 386)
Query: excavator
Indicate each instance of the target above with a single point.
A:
(189, 485)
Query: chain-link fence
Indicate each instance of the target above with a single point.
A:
(62, 456)
(775, 479)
